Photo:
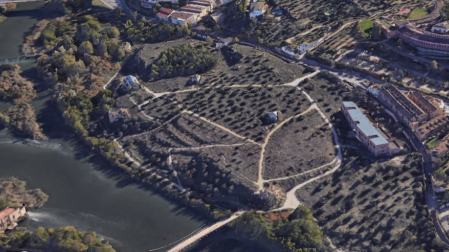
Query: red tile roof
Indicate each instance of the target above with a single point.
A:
(182, 15)
(166, 10)
(192, 7)
(161, 14)
(6, 212)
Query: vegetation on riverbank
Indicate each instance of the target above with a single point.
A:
(13, 193)
(52, 240)
(22, 119)
(13, 86)
(298, 232)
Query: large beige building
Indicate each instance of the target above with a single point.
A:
(373, 138)
(9, 218)
(421, 113)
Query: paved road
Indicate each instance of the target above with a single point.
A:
(429, 194)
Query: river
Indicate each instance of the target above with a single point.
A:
(85, 192)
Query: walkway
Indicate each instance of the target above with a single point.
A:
(204, 232)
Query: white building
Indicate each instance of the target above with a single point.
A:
(131, 82)
(288, 50)
(150, 3)
(121, 113)
(306, 46)
(223, 42)
(442, 27)
(257, 9)
(196, 78)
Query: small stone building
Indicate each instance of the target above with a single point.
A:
(9, 218)
(271, 117)
(132, 83)
(196, 78)
(121, 113)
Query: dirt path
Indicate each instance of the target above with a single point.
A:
(141, 111)
(221, 127)
(289, 40)
(297, 81)
(300, 174)
(210, 146)
(170, 164)
(260, 181)
(104, 87)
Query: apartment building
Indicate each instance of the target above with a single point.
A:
(431, 127)
(404, 108)
(180, 18)
(371, 137)
(201, 11)
(164, 14)
(428, 104)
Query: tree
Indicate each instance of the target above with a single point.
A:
(209, 40)
(117, 11)
(3, 203)
(434, 65)
(376, 32)
(112, 32)
(217, 29)
(134, 16)
(236, 40)
(85, 47)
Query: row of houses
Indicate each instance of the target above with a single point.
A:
(375, 139)
(423, 114)
(191, 13)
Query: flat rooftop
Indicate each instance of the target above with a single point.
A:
(364, 124)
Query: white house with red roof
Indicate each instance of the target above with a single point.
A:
(180, 18)
(164, 14)
(9, 218)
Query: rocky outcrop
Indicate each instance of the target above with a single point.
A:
(22, 119)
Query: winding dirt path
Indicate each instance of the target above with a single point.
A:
(260, 181)
(289, 40)
(221, 127)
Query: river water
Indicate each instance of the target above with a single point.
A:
(85, 192)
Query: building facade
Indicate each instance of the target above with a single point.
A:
(164, 14)
(9, 218)
(371, 137)
(257, 9)
(180, 18)
(430, 105)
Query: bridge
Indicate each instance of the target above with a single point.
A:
(204, 232)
